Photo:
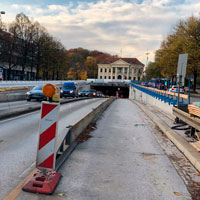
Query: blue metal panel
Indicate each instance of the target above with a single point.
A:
(161, 96)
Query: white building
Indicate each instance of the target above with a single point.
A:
(121, 68)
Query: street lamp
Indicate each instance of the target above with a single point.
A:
(2, 13)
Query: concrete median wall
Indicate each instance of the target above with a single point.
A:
(5, 96)
(147, 99)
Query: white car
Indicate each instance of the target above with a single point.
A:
(174, 88)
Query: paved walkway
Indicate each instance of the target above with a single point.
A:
(122, 161)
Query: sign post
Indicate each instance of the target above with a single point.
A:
(181, 72)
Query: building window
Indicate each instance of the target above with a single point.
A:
(113, 69)
(100, 77)
(109, 77)
(134, 70)
(129, 78)
(130, 70)
(109, 69)
(125, 70)
(119, 69)
(101, 70)
(138, 78)
(134, 78)
(139, 71)
(104, 77)
(113, 77)
(105, 70)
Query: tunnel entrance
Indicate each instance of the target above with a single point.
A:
(120, 91)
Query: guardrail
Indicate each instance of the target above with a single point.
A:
(8, 84)
(166, 96)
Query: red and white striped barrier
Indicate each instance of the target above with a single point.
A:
(47, 135)
(45, 180)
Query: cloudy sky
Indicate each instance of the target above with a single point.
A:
(134, 26)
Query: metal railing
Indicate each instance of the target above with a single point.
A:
(167, 97)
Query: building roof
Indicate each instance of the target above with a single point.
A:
(128, 60)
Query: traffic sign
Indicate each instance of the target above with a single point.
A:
(182, 64)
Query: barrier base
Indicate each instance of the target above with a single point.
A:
(42, 183)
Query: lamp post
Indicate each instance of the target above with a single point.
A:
(2, 13)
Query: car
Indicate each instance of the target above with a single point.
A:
(174, 88)
(92, 93)
(35, 93)
(83, 93)
(68, 89)
(100, 94)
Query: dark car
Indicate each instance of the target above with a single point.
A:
(83, 93)
(69, 90)
(92, 93)
(35, 93)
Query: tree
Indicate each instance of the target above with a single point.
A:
(185, 38)
(91, 67)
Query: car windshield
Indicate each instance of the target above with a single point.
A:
(68, 86)
(38, 87)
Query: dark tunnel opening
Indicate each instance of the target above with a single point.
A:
(119, 91)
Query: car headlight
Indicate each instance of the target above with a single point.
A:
(28, 93)
(79, 93)
(71, 92)
(61, 91)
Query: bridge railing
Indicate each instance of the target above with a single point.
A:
(7, 84)
(168, 97)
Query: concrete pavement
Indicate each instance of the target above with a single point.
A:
(122, 160)
(189, 151)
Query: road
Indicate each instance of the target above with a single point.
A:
(122, 160)
(18, 141)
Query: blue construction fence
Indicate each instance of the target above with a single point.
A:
(167, 98)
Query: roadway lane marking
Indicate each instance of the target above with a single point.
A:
(17, 190)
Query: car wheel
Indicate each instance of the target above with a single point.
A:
(28, 99)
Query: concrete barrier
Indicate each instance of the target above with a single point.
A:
(70, 141)
(147, 99)
(12, 96)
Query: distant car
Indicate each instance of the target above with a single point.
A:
(144, 84)
(69, 90)
(83, 93)
(35, 93)
(174, 88)
(92, 93)
(99, 94)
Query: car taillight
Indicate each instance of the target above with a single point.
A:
(182, 89)
(172, 88)
(94, 93)
(165, 88)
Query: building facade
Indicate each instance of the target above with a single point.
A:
(121, 68)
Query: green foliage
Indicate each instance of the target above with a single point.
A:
(185, 38)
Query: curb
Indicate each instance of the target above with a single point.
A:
(188, 150)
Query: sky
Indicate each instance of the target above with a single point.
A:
(127, 28)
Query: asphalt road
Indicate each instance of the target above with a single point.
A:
(19, 137)
(122, 160)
